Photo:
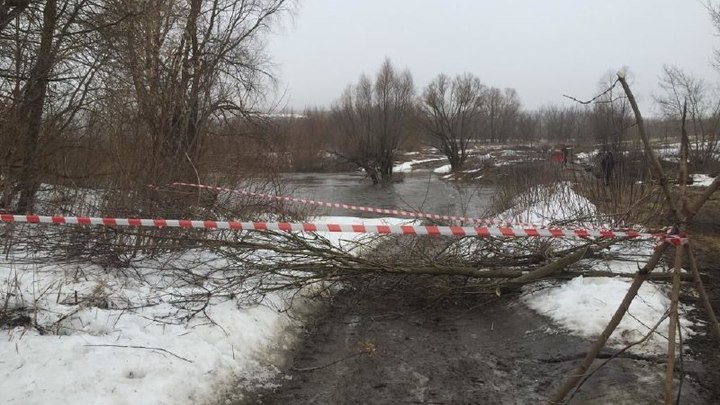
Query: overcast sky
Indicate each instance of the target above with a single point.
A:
(543, 49)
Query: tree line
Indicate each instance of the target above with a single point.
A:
(121, 94)
(377, 116)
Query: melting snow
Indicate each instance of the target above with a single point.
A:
(584, 306)
(408, 167)
(544, 205)
(113, 356)
(443, 169)
(145, 355)
(702, 180)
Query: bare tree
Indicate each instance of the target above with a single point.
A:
(680, 88)
(610, 115)
(562, 124)
(450, 112)
(527, 126)
(372, 117)
(714, 9)
(47, 60)
(184, 63)
(501, 114)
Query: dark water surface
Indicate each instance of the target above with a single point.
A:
(419, 191)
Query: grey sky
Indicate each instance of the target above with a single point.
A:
(541, 48)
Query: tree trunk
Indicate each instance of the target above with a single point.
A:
(30, 112)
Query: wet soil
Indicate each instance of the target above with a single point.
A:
(704, 231)
(401, 347)
(704, 345)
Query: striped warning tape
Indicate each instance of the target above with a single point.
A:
(477, 231)
(351, 207)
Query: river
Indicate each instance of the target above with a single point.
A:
(419, 191)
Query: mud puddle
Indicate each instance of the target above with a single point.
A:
(397, 348)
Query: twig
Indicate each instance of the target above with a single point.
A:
(306, 369)
(700, 201)
(608, 90)
(143, 347)
(618, 353)
(670, 369)
(654, 161)
(606, 355)
(684, 152)
(682, 364)
(577, 374)
(197, 175)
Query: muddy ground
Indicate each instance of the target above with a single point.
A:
(401, 347)
(704, 231)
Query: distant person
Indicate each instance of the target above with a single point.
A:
(607, 164)
(566, 154)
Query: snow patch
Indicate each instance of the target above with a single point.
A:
(443, 169)
(544, 205)
(585, 305)
(701, 180)
(408, 167)
(146, 355)
(403, 168)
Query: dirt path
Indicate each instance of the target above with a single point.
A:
(398, 348)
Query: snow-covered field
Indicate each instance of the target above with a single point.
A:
(141, 352)
(113, 338)
(671, 151)
(110, 338)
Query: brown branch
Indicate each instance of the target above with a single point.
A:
(672, 328)
(617, 354)
(306, 369)
(655, 162)
(608, 90)
(549, 268)
(684, 153)
(653, 276)
(145, 348)
(640, 277)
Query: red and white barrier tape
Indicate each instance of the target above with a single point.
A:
(673, 239)
(477, 231)
(386, 211)
(351, 207)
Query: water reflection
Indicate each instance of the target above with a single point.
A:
(420, 191)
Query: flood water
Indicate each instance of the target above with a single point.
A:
(419, 191)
